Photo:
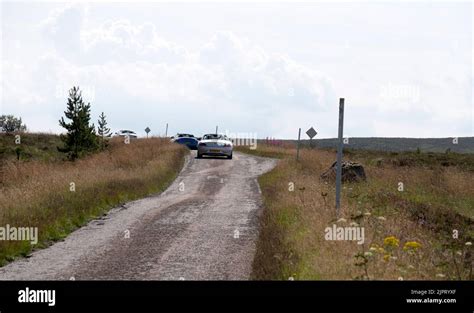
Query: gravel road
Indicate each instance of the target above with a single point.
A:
(203, 227)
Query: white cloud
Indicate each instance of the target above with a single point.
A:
(137, 75)
(228, 77)
(121, 41)
(63, 27)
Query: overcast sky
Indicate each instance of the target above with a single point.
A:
(405, 69)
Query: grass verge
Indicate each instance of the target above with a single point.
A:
(423, 232)
(60, 196)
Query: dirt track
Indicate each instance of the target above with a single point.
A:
(205, 232)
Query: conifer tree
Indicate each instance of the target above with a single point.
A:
(80, 137)
(103, 131)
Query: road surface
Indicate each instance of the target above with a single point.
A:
(203, 227)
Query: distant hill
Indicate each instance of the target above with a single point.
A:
(464, 145)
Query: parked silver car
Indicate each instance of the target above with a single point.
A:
(124, 133)
(215, 145)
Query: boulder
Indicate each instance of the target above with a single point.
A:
(351, 172)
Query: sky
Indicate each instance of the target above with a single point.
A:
(267, 68)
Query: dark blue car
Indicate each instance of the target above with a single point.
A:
(189, 142)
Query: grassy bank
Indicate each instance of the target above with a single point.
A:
(408, 234)
(33, 146)
(59, 196)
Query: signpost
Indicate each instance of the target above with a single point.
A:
(298, 145)
(147, 130)
(339, 156)
(311, 133)
(166, 133)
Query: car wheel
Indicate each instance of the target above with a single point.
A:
(199, 156)
(229, 157)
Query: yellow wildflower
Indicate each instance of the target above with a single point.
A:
(391, 241)
(411, 245)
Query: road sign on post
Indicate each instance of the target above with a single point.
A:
(147, 130)
(311, 133)
(298, 145)
(339, 156)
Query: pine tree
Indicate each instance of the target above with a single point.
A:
(81, 136)
(103, 131)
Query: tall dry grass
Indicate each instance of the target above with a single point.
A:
(434, 202)
(39, 194)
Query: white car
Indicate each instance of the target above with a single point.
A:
(215, 145)
(123, 133)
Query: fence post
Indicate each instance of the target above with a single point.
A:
(339, 156)
(298, 146)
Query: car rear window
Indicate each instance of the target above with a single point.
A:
(213, 137)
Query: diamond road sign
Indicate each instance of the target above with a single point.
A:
(147, 130)
(311, 133)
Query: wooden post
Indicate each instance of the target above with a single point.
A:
(298, 145)
(339, 156)
(166, 133)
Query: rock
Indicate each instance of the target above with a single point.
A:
(351, 172)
